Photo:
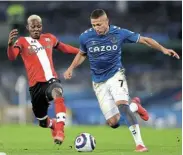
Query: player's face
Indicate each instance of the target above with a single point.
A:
(35, 28)
(100, 25)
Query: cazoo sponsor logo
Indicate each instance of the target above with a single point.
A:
(103, 48)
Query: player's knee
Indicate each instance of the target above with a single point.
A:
(43, 123)
(56, 92)
(124, 108)
(122, 105)
(114, 126)
(122, 102)
(113, 122)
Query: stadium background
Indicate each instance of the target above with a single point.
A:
(154, 77)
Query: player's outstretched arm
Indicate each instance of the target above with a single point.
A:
(66, 48)
(78, 60)
(12, 51)
(152, 43)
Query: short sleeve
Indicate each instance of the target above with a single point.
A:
(82, 47)
(129, 36)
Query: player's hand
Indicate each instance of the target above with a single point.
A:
(171, 52)
(12, 35)
(68, 73)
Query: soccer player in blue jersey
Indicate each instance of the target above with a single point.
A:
(102, 45)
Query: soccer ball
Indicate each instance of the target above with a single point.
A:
(85, 142)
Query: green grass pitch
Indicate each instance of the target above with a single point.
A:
(33, 140)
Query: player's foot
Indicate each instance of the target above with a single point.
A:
(53, 129)
(140, 148)
(141, 111)
(59, 138)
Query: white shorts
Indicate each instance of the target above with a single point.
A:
(111, 91)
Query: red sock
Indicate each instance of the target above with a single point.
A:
(60, 110)
(49, 122)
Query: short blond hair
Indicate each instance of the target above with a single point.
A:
(34, 17)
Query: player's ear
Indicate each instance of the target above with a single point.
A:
(108, 21)
(107, 18)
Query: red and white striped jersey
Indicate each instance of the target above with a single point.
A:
(37, 57)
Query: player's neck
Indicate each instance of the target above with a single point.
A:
(36, 38)
(107, 30)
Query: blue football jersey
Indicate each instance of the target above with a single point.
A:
(104, 51)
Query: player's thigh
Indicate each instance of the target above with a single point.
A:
(40, 108)
(39, 103)
(106, 101)
(118, 87)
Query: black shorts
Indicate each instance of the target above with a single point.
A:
(41, 96)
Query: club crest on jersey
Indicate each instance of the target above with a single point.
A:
(47, 39)
(114, 39)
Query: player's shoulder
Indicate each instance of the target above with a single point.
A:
(48, 35)
(119, 29)
(87, 33)
(115, 28)
(124, 29)
(20, 40)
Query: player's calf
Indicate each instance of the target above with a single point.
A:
(43, 123)
(129, 115)
(53, 128)
(131, 122)
(46, 123)
(54, 92)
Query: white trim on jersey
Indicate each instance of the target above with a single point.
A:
(43, 58)
(138, 39)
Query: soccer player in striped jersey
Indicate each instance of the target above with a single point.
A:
(36, 52)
